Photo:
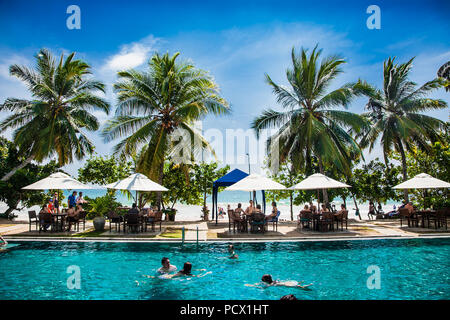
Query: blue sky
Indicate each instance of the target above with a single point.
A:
(236, 41)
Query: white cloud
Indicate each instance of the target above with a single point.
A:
(131, 55)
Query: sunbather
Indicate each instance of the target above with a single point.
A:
(267, 281)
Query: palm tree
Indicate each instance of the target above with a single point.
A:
(153, 104)
(395, 113)
(310, 126)
(444, 74)
(53, 122)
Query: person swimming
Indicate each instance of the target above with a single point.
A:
(166, 266)
(233, 255)
(267, 281)
(186, 271)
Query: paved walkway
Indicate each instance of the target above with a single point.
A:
(210, 231)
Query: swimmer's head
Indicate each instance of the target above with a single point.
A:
(267, 278)
(165, 262)
(187, 267)
(230, 248)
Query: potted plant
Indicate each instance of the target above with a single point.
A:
(170, 214)
(99, 207)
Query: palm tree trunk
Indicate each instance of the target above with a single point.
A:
(324, 191)
(7, 176)
(160, 180)
(404, 169)
(291, 205)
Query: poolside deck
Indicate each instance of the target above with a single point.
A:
(209, 231)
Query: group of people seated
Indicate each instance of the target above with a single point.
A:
(75, 207)
(379, 213)
(323, 209)
(242, 216)
(149, 213)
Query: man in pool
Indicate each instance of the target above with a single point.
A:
(166, 266)
(267, 281)
(233, 255)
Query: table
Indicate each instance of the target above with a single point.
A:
(425, 214)
(59, 220)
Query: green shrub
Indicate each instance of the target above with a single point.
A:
(100, 206)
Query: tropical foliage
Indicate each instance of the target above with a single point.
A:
(396, 113)
(11, 192)
(54, 121)
(155, 106)
(310, 124)
(104, 170)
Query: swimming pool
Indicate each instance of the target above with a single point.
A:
(409, 269)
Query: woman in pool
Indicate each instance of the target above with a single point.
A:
(267, 281)
(186, 271)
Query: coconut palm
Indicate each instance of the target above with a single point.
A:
(396, 113)
(52, 123)
(310, 124)
(444, 74)
(154, 105)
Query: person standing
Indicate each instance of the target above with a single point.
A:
(71, 201)
(56, 202)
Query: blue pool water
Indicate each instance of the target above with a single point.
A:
(409, 269)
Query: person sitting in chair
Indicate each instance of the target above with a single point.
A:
(250, 209)
(134, 209)
(73, 215)
(274, 212)
(44, 224)
(239, 209)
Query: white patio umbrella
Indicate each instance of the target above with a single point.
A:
(136, 182)
(57, 181)
(255, 182)
(423, 181)
(318, 181)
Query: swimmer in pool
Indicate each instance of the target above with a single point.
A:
(166, 266)
(186, 271)
(233, 255)
(267, 281)
(3, 243)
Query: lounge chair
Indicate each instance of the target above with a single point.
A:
(33, 219)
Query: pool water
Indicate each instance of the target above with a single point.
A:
(409, 269)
